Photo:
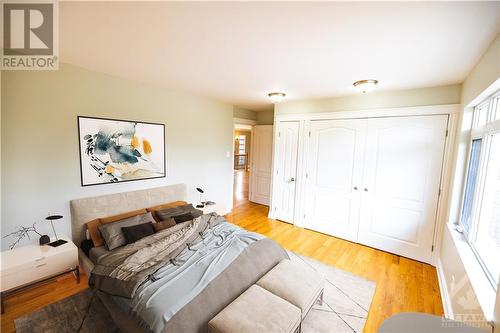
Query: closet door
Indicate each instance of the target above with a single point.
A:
(401, 182)
(334, 165)
(286, 171)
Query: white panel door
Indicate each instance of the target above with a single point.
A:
(334, 166)
(285, 180)
(260, 172)
(401, 180)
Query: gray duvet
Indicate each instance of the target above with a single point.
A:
(178, 279)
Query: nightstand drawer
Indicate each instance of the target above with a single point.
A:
(39, 268)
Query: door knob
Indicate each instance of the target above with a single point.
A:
(291, 180)
(355, 188)
(365, 189)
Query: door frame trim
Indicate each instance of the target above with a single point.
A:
(444, 109)
(453, 112)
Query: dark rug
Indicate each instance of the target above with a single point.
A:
(66, 316)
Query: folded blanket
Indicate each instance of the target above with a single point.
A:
(177, 283)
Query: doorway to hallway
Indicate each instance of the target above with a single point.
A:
(252, 163)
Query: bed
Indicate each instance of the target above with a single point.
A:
(199, 267)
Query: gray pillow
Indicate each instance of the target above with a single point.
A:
(168, 213)
(113, 234)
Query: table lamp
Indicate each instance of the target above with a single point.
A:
(202, 204)
(57, 242)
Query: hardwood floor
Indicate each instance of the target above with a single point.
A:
(402, 284)
(38, 297)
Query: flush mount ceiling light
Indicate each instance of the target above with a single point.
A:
(365, 86)
(276, 97)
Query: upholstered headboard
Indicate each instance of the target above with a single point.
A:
(87, 209)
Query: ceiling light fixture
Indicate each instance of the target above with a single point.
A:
(276, 97)
(365, 86)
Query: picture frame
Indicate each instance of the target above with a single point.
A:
(117, 150)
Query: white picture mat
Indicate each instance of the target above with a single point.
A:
(155, 134)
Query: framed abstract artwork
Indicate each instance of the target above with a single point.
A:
(113, 150)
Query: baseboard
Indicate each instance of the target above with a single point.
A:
(445, 296)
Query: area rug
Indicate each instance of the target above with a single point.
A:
(347, 299)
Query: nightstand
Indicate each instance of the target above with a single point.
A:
(26, 266)
(215, 208)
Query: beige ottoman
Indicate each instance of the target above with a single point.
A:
(295, 282)
(257, 310)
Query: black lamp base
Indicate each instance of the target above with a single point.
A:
(44, 239)
(57, 243)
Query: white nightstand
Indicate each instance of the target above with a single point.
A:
(27, 265)
(215, 208)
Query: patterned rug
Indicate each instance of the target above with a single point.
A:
(346, 302)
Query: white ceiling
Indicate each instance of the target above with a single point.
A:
(239, 51)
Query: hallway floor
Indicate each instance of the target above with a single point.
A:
(402, 284)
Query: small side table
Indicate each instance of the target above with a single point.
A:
(27, 266)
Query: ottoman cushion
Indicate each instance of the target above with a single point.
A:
(256, 310)
(295, 282)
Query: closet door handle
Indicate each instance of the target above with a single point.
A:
(291, 180)
(355, 188)
(365, 189)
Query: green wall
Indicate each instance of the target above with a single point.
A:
(39, 140)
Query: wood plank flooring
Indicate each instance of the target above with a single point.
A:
(402, 284)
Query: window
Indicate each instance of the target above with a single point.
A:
(240, 152)
(242, 144)
(480, 216)
(481, 114)
(496, 106)
(471, 183)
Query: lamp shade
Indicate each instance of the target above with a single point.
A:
(365, 86)
(53, 217)
(58, 241)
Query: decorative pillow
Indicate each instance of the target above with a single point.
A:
(112, 232)
(159, 226)
(136, 232)
(93, 226)
(165, 214)
(173, 204)
(183, 217)
(86, 246)
(114, 218)
(95, 235)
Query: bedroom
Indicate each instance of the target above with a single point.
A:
(123, 106)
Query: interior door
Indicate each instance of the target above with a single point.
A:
(334, 166)
(260, 172)
(285, 180)
(401, 184)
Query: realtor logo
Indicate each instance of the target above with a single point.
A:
(29, 36)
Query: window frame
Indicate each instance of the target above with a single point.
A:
(484, 132)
